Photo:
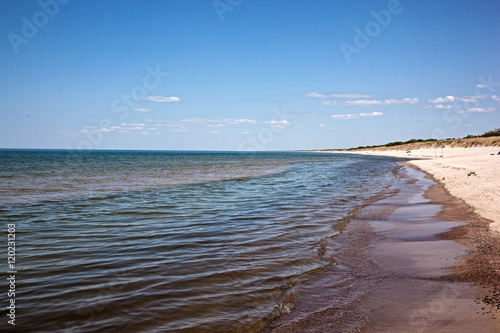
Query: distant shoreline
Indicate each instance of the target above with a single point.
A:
(492, 141)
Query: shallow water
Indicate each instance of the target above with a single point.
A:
(175, 241)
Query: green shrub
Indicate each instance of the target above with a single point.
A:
(495, 132)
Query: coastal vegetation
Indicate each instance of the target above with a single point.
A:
(495, 132)
(489, 138)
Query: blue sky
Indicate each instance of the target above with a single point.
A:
(246, 75)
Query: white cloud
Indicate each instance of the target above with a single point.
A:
(118, 129)
(344, 116)
(447, 99)
(372, 114)
(181, 129)
(353, 99)
(316, 95)
(443, 107)
(350, 95)
(195, 120)
(341, 95)
(140, 110)
(401, 101)
(305, 114)
(162, 99)
(216, 123)
(122, 128)
(495, 98)
(277, 123)
(392, 101)
(481, 86)
(451, 99)
(363, 102)
(241, 121)
(477, 110)
(469, 99)
(323, 126)
(372, 102)
(356, 115)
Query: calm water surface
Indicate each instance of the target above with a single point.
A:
(174, 241)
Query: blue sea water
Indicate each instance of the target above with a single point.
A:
(130, 241)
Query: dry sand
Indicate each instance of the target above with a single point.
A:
(471, 174)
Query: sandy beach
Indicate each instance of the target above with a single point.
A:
(468, 190)
(471, 174)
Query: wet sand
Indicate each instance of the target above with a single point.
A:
(418, 260)
(470, 174)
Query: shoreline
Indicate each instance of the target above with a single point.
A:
(437, 283)
(482, 264)
(468, 189)
(426, 265)
(466, 173)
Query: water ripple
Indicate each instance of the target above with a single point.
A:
(159, 256)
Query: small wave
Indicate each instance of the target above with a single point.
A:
(208, 256)
(46, 190)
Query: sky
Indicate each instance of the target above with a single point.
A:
(246, 74)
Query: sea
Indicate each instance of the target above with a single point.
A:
(172, 241)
